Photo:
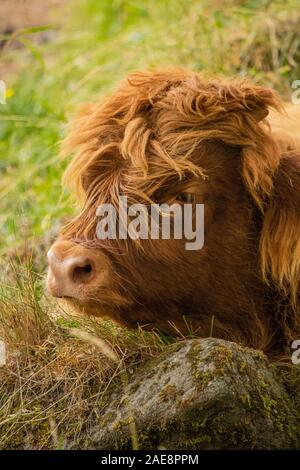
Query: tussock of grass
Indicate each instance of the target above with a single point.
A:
(59, 366)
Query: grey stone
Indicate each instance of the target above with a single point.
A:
(201, 394)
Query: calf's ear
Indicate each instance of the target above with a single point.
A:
(246, 107)
(280, 236)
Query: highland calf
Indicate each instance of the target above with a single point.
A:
(173, 136)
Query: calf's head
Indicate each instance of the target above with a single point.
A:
(173, 136)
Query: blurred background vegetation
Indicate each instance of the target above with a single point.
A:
(56, 54)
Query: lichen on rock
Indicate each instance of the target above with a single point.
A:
(203, 394)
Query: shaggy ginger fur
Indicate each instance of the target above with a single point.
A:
(161, 136)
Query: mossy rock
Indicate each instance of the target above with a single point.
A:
(204, 394)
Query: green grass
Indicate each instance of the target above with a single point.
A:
(54, 382)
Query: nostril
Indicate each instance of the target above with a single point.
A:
(82, 273)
